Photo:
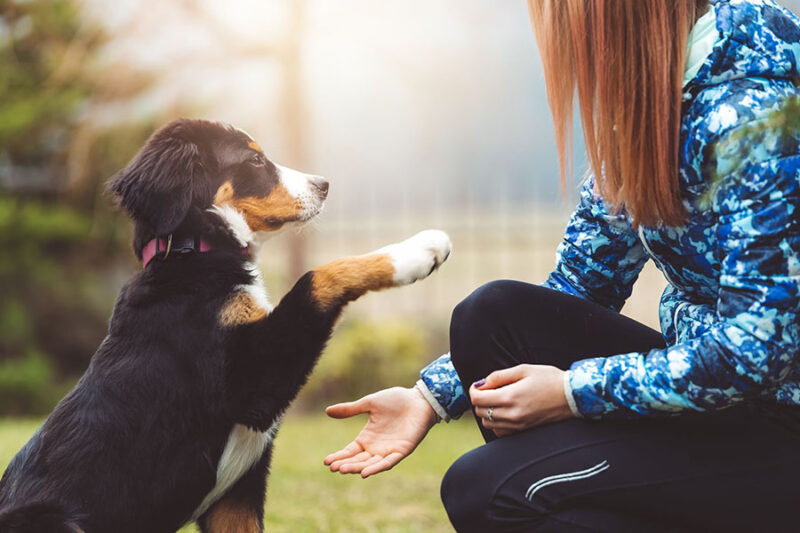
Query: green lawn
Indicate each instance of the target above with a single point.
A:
(303, 496)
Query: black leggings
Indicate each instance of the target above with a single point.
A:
(733, 470)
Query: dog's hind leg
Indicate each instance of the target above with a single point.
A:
(241, 509)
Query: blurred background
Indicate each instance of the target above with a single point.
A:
(421, 114)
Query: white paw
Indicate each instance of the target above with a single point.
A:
(416, 258)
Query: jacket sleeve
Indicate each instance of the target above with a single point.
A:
(752, 346)
(600, 256)
(441, 379)
(599, 259)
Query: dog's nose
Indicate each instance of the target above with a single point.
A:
(320, 184)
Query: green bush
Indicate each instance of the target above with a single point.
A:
(27, 386)
(365, 356)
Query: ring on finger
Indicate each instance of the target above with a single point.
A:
(489, 412)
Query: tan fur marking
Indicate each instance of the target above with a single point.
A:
(255, 146)
(269, 213)
(240, 309)
(231, 517)
(224, 193)
(351, 277)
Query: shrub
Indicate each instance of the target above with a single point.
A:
(27, 386)
(365, 356)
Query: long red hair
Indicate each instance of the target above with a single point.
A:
(625, 60)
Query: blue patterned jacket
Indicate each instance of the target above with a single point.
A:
(731, 312)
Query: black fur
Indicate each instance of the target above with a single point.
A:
(134, 447)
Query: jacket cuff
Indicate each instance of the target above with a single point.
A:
(441, 414)
(586, 387)
(568, 393)
(441, 380)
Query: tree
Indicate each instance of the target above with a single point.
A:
(59, 243)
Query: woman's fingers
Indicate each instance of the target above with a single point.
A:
(361, 456)
(498, 378)
(348, 451)
(493, 392)
(348, 409)
(501, 421)
(356, 467)
(500, 415)
(488, 398)
(384, 464)
(504, 425)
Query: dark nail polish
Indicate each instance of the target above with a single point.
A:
(480, 383)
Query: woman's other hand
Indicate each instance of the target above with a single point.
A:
(399, 419)
(520, 397)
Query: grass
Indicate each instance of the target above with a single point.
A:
(303, 496)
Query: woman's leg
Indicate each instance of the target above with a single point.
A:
(732, 470)
(506, 323)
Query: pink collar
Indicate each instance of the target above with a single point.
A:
(182, 246)
(162, 244)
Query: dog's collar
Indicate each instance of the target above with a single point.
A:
(164, 246)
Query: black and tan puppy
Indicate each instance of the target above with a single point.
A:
(174, 419)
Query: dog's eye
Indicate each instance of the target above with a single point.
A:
(257, 160)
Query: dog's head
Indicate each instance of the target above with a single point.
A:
(195, 166)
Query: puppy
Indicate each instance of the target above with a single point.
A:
(174, 419)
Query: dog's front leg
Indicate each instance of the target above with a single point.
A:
(272, 357)
(344, 280)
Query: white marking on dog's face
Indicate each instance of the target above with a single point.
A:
(301, 186)
(296, 182)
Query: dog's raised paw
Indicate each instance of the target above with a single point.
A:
(417, 257)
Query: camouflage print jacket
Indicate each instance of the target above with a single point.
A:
(731, 312)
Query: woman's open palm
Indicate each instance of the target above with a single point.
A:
(399, 419)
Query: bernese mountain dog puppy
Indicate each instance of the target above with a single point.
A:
(174, 419)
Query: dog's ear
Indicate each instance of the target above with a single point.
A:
(158, 186)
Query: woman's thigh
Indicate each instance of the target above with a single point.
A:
(728, 471)
(504, 323)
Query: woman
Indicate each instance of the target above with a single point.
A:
(593, 421)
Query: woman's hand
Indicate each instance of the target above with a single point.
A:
(399, 419)
(521, 397)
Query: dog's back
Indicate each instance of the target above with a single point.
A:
(140, 434)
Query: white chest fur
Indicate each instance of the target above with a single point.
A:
(244, 446)
(256, 289)
(243, 449)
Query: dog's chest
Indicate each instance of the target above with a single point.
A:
(256, 289)
(242, 450)
(244, 446)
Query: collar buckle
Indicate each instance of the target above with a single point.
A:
(168, 245)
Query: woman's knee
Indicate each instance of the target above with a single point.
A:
(485, 298)
(465, 497)
(478, 318)
(477, 314)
